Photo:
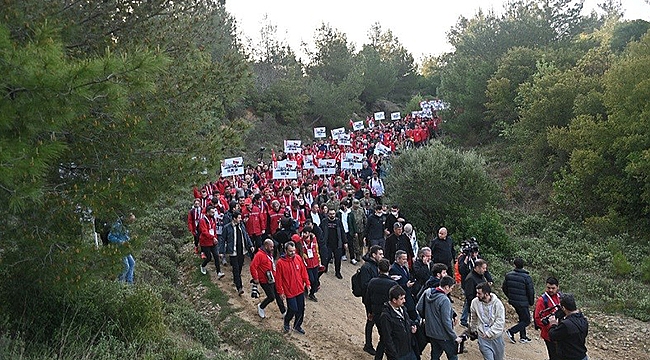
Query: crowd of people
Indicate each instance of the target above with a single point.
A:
(294, 229)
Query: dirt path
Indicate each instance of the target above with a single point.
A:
(335, 325)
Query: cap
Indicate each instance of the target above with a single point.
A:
(397, 225)
(248, 201)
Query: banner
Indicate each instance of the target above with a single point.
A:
(292, 146)
(379, 115)
(336, 132)
(382, 149)
(344, 139)
(326, 167)
(395, 116)
(352, 161)
(308, 162)
(356, 126)
(286, 169)
(232, 166)
(320, 132)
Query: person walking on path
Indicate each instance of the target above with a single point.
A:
(262, 270)
(519, 289)
(488, 318)
(292, 278)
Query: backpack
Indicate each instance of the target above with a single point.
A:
(357, 287)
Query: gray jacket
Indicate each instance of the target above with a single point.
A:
(434, 306)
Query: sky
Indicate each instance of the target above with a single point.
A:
(419, 25)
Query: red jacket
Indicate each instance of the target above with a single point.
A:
(254, 225)
(262, 262)
(274, 220)
(193, 217)
(208, 231)
(310, 243)
(291, 276)
(555, 300)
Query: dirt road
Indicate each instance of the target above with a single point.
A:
(335, 324)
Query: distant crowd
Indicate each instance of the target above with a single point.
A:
(292, 230)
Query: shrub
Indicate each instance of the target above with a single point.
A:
(436, 185)
(645, 269)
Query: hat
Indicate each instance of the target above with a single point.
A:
(248, 201)
(397, 225)
(356, 201)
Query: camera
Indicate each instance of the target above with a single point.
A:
(467, 247)
(471, 335)
(262, 148)
(551, 311)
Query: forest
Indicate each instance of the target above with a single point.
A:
(112, 108)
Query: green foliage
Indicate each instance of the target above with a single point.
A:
(457, 181)
(621, 265)
(645, 269)
(487, 227)
(626, 32)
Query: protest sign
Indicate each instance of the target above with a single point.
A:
(232, 167)
(292, 146)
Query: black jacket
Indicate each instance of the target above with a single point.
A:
(374, 227)
(442, 251)
(465, 269)
(340, 235)
(518, 287)
(367, 272)
(404, 278)
(377, 293)
(395, 332)
(469, 287)
(420, 274)
(394, 243)
(570, 335)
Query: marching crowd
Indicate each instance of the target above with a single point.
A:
(293, 230)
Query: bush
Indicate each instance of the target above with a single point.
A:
(436, 185)
(620, 263)
(645, 269)
(487, 228)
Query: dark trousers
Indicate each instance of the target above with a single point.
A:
(196, 239)
(379, 352)
(440, 346)
(551, 347)
(272, 294)
(524, 320)
(295, 307)
(350, 238)
(337, 253)
(237, 262)
(368, 333)
(210, 252)
(257, 241)
(313, 280)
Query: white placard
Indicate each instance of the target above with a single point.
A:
(352, 161)
(382, 149)
(292, 146)
(286, 169)
(379, 115)
(357, 125)
(344, 139)
(326, 167)
(320, 132)
(336, 132)
(395, 116)
(308, 162)
(232, 167)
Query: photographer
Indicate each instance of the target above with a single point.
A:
(466, 263)
(548, 305)
(571, 332)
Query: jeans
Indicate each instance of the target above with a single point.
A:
(337, 253)
(313, 280)
(492, 349)
(272, 294)
(440, 346)
(129, 266)
(210, 252)
(237, 262)
(524, 320)
(295, 307)
(465, 315)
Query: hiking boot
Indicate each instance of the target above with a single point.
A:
(261, 311)
(370, 350)
(203, 270)
(299, 330)
(511, 337)
(525, 340)
(220, 274)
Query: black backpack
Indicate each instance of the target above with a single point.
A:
(357, 287)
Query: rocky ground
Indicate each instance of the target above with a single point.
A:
(334, 325)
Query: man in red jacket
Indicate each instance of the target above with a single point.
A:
(263, 273)
(254, 223)
(193, 217)
(548, 304)
(208, 240)
(291, 280)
